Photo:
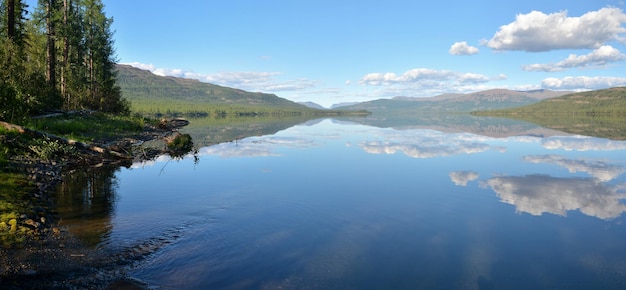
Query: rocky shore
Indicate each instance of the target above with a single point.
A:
(50, 257)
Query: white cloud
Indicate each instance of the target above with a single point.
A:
(538, 194)
(501, 77)
(424, 82)
(537, 31)
(462, 48)
(581, 83)
(461, 178)
(423, 76)
(250, 81)
(601, 56)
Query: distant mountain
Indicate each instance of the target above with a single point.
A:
(485, 100)
(345, 104)
(142, 86)
(312, 105)
(606, 101)
(598, 113)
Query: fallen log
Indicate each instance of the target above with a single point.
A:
(81, 145)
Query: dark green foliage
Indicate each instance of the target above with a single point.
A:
(60, 57)
(180, 146)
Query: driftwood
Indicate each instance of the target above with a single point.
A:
(82, 145)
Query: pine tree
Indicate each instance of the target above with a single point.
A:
(63, 57)
(72, 71)
(14, 96)
(104, 94)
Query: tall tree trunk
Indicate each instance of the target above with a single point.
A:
(11, 19)
(66, 49)
(51, 49)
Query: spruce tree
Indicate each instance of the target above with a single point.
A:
(62, 57)
(104, 93)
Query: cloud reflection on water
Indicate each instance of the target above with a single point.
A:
(256, 146)
(427, 144)
(461, 178)
(538, 194)
(598, 169)
(582, 143)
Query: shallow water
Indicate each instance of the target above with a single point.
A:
(338, 205)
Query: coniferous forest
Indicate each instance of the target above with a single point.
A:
(57, 55)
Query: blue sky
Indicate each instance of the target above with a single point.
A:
(345, 51)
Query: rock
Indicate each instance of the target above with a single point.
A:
(31, 223)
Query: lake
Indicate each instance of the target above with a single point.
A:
(447, 202)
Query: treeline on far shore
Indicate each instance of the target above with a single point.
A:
(171, 108)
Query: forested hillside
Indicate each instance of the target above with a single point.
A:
(151, 94)
(599, 102)
(59, 56)
(144, 88)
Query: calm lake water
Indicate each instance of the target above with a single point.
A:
(329, 204)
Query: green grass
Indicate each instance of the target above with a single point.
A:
(89, 128)
(164, 107)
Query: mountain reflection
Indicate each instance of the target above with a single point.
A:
(461, 178)
(538, 194)
(598, 169)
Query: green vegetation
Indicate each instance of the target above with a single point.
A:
(170, 96)
(174, 108)
(14, 190)
(607, 102)
(598, 113)
(19, 151)
(180, 146)
(90, 127)
(13, 202)
(58, 57)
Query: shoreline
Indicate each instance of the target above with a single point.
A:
(51, 257)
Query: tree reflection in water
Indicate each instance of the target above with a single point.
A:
(86, 200)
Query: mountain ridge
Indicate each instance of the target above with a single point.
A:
(140, 86)
(453, 102)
